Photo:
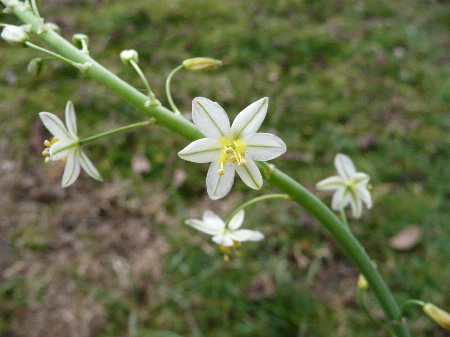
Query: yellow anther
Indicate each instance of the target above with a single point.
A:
(243, 162)
(45, 153)
(228, 150)
(47, 143)
(221, 172)
(47, 159)
(64, 159)
(233, 159)
(226, 258)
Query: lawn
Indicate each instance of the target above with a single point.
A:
(366, 78)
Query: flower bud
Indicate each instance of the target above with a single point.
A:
(53, 26)
(81, 41)
(201, 63)
(15, 35)
(127, 55)
(362, 283)
(441, 317)
(35, 66)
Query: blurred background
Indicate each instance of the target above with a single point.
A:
(366, 78)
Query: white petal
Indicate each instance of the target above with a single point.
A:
(264, 146)
(246, 235)
(237, 220)
(87, 165)
(203, 150)
(71, 119)
(250, 174)
(213, 221)
(202, 227)
(338, 201)
(63, 148)
(54, 125)
(223, 239)
(249, 120)
(71, 171)
(217, 185)
(356, 205)
(210, 118)
(360, 178)
(364, 195)
(330, 183)
(344, 166)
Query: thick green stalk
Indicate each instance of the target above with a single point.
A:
(298, 193)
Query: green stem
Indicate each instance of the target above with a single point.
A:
(168, 92)
(409, 303)
(366, 310)
(35, 9)
(112, 132)
(79, 66)
(151, 96)
(254, 201)
(298, 193)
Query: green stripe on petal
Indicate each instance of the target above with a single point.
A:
(217, 185)
(71, 119)
(248, 121)
(71, 171)
(87, 165)
(203, 150)
(54, 125)
(250, 174)
(210, 118)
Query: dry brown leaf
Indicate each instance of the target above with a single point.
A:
(140, 164)
(407, 239)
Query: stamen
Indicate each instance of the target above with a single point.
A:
(243, 162)
(221, 172)
(45, 153)
(47, 143)
(47, 159)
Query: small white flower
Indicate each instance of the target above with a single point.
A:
(226, 235)
(15, 35)
(232, 148)
(350, 186)
(65, 146)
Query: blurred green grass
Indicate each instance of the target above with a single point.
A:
(366, 78)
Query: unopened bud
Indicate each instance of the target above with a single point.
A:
(362, 282)
(53, 26)
(35, 66)
(127, 55)
(15, 35)
(81, 41)
(201, 63)
(441, 317)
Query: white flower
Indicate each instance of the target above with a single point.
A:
(65, 145)
(15, 35)
(227, 235)
(350, 186)
(231, 149)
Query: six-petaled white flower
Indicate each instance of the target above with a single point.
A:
(350, 186)
(226, 235)
(65, 145)
(232, 148)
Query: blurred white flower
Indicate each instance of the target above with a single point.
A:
(226, 235)
(350, 186)
(65, 146)
(15, 35)
(232, 148)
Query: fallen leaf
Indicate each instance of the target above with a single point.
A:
(140, 164)
(407, 239)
